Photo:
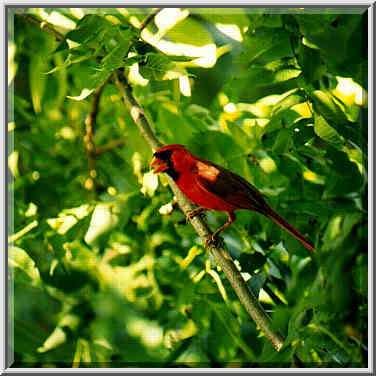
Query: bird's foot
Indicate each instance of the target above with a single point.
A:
(198, 211)
(214, 240)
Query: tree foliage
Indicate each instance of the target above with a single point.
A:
(106, 271)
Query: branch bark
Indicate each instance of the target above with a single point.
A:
(90, 127)
(109, 146)
(220, 253)
(149, 17)
(43, 25)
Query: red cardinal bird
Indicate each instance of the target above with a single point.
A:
(213, 187)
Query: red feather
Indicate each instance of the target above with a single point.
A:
(213, 187)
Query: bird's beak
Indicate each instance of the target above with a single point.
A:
(159, 165)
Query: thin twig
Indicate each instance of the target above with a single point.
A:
(220, 253)
(22, 232)
(43, 25)
(144, 23)
(109, 146)
(90, 127)
(149, 17)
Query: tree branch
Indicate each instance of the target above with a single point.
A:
(149, 17)
(220, 253)
(144, 23)
(89, 127)
(109, 146)
(43, 25)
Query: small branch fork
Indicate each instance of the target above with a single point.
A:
(219, 252)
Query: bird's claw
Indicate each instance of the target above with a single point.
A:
(192, 213)
(213, 240)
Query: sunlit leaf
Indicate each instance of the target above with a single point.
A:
(20, 260)
(155, 66)
(326, 107)
(57, 338)
(84, 94)
(326, 132)
(102, 220)
(38, 65)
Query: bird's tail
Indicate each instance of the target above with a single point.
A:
(275, 217)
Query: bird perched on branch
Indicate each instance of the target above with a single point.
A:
(213, 187)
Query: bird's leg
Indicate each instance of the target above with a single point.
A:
(231, 218)
(192, 213)
(213, 238)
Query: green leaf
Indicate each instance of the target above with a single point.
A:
(338, 229)
(224, 329)
(66, 64)
(114, 59)
(201, 313)
(325, 106)
(84, 94)
(282, 141)
(38, 65)
(251, 262)
(103, 219)
(190, 32)
(22, 262)
(331, 33)
(327, 133)
(287, 102)
(265, 20)
(175, 71)
(225, 16)
(62, 46)
(87, 28)
(207, 286)
(256, 283)
(266, 44)
(360, 275)
(155, 66)
(303, 131)
(194, 355)
(70, 60)
(311, 62)
(82, 258)
(281, 49)
(345, 177)
(97, 78)
(264, 82)
(294, 327)
(132, 60)
(169, 121)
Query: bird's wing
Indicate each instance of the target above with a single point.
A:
(229, 186)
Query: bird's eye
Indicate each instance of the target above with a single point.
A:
(164, 155)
